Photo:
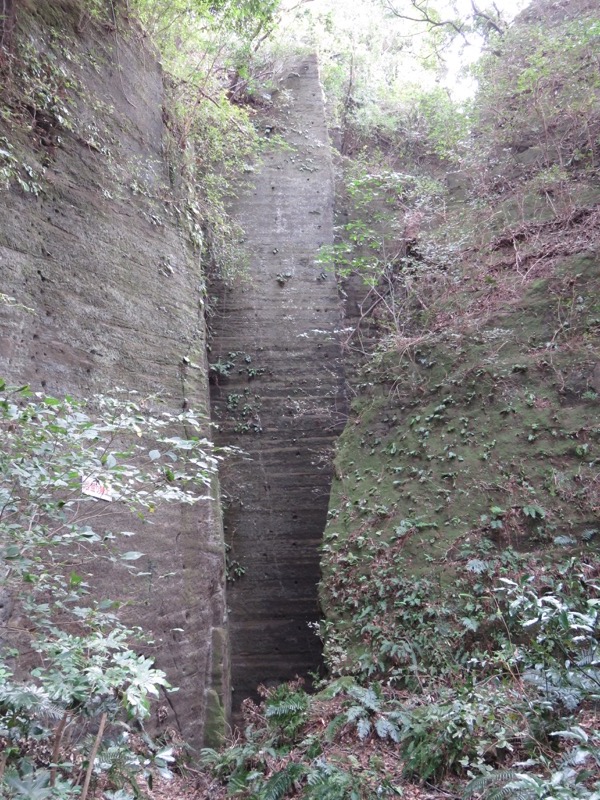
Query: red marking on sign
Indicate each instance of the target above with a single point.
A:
(93, 488)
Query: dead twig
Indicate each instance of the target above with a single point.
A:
(93, 754)
(57, 743)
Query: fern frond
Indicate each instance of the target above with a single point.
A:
(286, 707)
(589, 657)
(363, 728)
(279, 784)
(208, 756)
(30, 699)
(482, 782)
(326, 782)
(354, 713)
(116, 758)
(387, 729)
(366, 697)
(228, 762)
(237, 781)
(339, 685)
(334, 727)
(503, 792)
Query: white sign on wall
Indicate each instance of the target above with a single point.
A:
(93, 488)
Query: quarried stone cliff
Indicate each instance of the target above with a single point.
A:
(277, 394)
(108, 292)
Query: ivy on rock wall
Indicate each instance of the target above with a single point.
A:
(212, 141)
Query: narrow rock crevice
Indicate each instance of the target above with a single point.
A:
(278, 394)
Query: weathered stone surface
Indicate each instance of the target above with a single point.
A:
(282, 399)
(115, 298)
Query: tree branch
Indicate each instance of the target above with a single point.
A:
(491, 23)
(56, 749)
(426, 17)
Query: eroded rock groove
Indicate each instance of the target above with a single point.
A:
(277, 394)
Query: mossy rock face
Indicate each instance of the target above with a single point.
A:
(473, 459)
(471, 452)
(215, 725)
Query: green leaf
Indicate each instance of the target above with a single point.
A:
(477, 566)
(281, 782)
(75, 579)
(363, 728)
(31, 787)
(132, 555)
(564, 541)
(534, 512)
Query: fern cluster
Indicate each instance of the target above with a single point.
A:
(515, 702)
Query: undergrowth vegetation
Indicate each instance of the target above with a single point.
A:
(75, 679)
(517, 719)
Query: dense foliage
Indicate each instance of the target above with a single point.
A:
(74, 686)
(355, 740)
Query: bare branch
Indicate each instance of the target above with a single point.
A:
(489, 21)
(94, 752)
(426, 18)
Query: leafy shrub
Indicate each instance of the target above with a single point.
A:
(541, 89)
(458, 731)
(328, 782)
(572, 778)
(58, 458)
(562, 657)
(285, 709)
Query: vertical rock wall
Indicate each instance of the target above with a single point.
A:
(114, 294)
(277, 394)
